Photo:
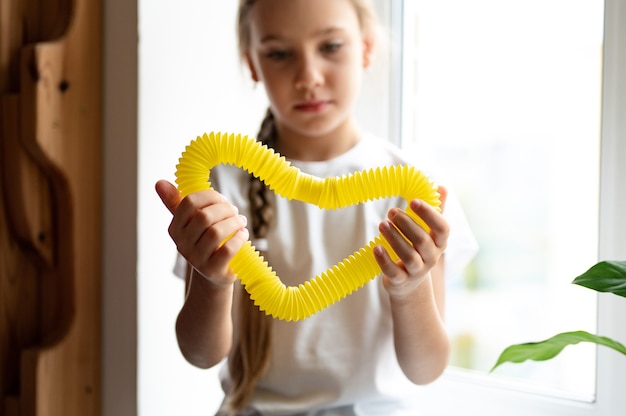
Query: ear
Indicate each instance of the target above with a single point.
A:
(368, 51)
(253, 72)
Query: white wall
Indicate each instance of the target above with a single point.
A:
(190, 82)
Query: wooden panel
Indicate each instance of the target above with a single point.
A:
(50, 215)
(19, 268)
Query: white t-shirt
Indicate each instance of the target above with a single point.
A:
(342, 359)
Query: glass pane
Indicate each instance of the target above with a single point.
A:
(505, 95)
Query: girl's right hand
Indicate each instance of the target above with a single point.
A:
(207, 230)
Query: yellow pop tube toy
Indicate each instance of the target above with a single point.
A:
(268, 292)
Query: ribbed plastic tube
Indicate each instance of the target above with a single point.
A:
(293, 303)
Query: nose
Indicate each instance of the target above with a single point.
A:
(309, 74)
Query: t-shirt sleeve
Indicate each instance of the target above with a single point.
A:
(180, 266)
(462, 243)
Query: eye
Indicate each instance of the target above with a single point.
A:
(278, 54)
(331, 47)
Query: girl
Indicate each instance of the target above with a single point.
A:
(364, 354)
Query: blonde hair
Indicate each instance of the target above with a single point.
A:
(364, 9)
(249, 356)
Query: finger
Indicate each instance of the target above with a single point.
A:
(215, 222)
(201, 253)
(388, 267)
(192, 205)
(439, 227)
(443, 197)
(420, 249)
(410, 258)
(218, 233)
(221, 257)
(168, 194)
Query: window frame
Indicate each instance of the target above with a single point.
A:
(477, 393)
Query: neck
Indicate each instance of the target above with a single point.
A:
(310, 148)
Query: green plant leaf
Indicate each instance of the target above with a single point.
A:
(550, 348)
(605, 276)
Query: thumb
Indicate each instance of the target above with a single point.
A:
(168, 194)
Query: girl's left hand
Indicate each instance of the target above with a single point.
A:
(419, 254)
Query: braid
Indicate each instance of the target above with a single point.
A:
(259, 195)
(249, 354)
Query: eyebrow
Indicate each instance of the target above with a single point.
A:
(319, 33)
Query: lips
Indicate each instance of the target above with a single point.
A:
(312, 106)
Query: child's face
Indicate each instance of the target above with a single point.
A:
(310, 55)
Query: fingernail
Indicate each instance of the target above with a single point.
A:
(244, 220)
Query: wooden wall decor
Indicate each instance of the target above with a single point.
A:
(50, 207)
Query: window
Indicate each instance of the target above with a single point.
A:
(507, 97)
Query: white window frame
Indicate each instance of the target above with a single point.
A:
(476, 393)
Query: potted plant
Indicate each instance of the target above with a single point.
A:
(605, 276)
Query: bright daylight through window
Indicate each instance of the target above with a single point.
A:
(506, 97)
